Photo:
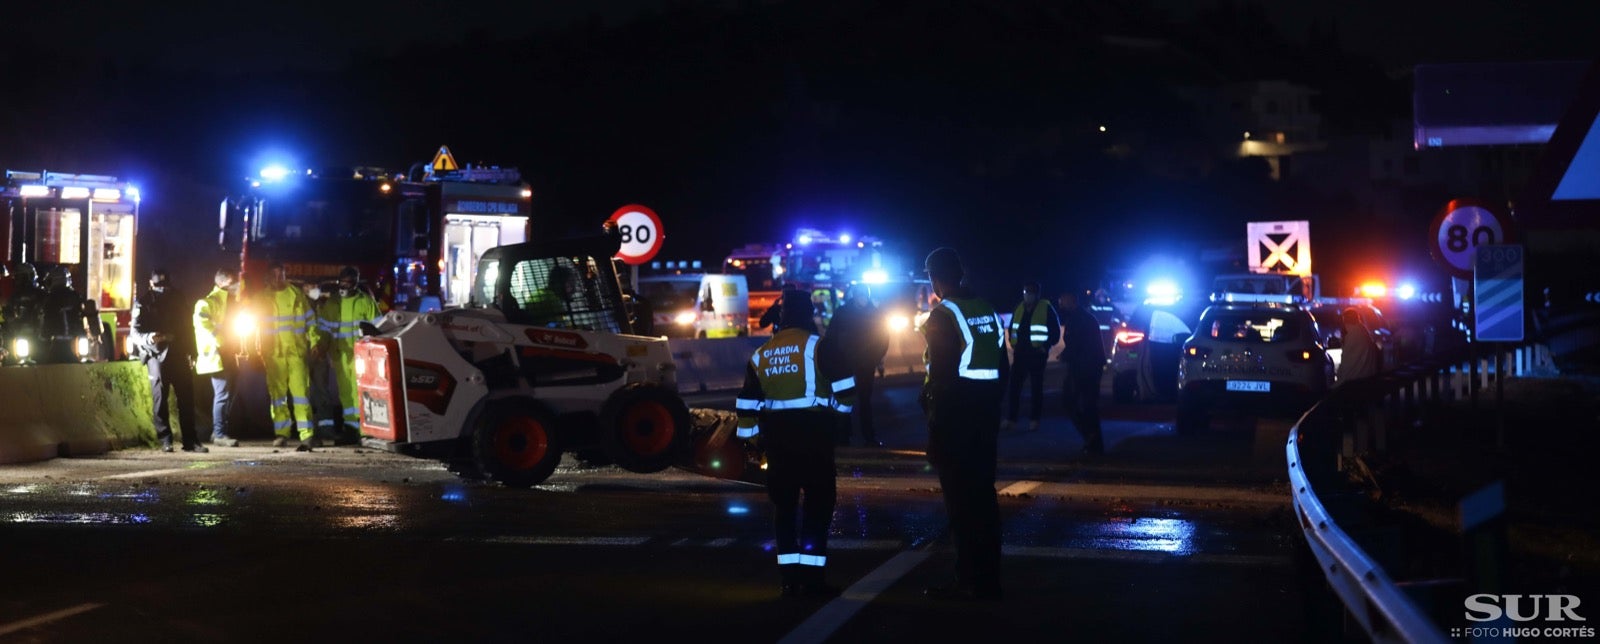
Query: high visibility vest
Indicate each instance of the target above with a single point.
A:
(786, 367)
(210, 318)
(1034, 331)
(983, 347)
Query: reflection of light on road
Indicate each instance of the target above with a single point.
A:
(141, 496)
(75, 518)
(1146, 533)
(454, 494)
(24, 489)
(200, 465)
(204, 497)
(360, 509)
(208, 520)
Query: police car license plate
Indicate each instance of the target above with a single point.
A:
(1249, 385)
(375, 411)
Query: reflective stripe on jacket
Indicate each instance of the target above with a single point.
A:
(340, 317)
(983, 347)
(785, 374)
(1042, 329)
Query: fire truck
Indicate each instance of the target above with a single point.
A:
(83, 224)
(416, 235)
(820, 263)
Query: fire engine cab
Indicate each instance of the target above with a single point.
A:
(80, 227)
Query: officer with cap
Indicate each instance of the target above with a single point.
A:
(796, 388)
(967, 369)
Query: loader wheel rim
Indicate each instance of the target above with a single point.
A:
(648, 428)
(521, 443)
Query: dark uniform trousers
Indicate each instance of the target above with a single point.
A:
(799, 448)
(1082, 389)
(963, 436)
(1029, 366)
(173, 371)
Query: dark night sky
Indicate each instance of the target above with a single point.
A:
(710, 141)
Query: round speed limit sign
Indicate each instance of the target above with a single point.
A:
(640, 230)
(1460, 228)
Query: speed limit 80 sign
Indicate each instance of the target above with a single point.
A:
(1460, 228)
(640, 230)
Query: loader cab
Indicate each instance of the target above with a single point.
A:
(560, 284)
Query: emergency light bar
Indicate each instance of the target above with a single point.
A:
(1256, 297)
(67, 186)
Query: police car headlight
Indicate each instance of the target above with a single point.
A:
(22, 348)
(685, 318)
(898, 323)
(81, 347)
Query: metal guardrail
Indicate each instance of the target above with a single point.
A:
(1384, 610)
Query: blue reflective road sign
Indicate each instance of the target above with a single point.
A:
(1497, 292)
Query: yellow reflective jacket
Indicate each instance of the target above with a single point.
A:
(210, 326)
(340, 318)
(288, 325)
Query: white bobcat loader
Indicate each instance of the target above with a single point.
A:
(540, 362)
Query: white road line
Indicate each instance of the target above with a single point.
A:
(134, 475)
(7, 629)
(721, 543)
(822, 624)
(571, 541)
(1019, 488)
(1144, 556)
(865, 544)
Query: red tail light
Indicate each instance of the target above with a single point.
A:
(1126, 336)
(1304, 356)
(1196, 352)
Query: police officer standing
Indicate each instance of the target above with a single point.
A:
(1085, 356)
(966, 367)
(165, 339)
(1035, 328)
(857, 331)
(795, 388)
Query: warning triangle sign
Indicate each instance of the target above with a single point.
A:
(443, 161)
(1565, 185)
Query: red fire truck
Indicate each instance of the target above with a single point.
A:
(416, 236)
(83, 224)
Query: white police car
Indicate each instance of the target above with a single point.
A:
(1259, 353)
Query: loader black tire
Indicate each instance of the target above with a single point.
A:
(516, 444)
(645, 428)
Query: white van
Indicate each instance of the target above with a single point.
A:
(698, 305)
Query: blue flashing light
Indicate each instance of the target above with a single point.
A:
(1162, 292)
(132, 193)
(875, 276)
(805, 239)
(844, 238)
(274, 173)
(1406, 291)
(738, 509)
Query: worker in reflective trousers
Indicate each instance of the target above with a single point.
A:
(795, 388)
(966, 367)
(289, 331)
(340, 318)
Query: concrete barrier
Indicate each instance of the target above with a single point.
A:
(73, 410)
(719, 364)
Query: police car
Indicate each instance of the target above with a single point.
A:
(1259, 353)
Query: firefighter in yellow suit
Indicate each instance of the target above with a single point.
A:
(340, 318)
(288, 331)
(796, 388)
